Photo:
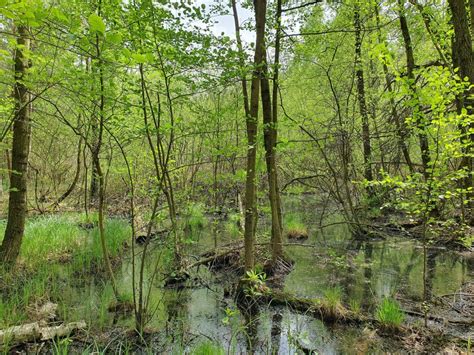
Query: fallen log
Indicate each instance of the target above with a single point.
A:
(317, 308)
(213, 257)
(35, 331)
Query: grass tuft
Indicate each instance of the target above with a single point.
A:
(389, 313)
(208, 348)
(332, 301)
(294, 227)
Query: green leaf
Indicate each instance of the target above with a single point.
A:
(96, 24)
(114, 38)
(139, 58)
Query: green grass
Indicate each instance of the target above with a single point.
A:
(389, 313)
(231, 225)
(55, 254)
(355, 306)
(333, 297)
(294, 227)
(195, 218)
(208, 348)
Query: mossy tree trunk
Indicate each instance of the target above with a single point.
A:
(17, 204)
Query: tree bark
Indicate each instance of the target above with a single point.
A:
(269, 134)
(471, 10)
(422, 136)
(251, 124)
(276, 77)
(17, 204)
(95, 151)
(245, 95)
(269, 137)
(399, 122)
(367, 149)
(243, 79)
(464, 58)
(73, 184)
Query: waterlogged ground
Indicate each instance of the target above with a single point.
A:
(329, 263)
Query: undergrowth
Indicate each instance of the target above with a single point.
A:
(56, 253)
(389, 313)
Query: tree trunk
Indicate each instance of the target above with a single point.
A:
(241, 59)
(471, 10)
(367, 149)
(399, 122)
(76, 176)
(245, 95)
(465, 60)
(269, 137)
(17, 204)
(269, 134)
(422, 136)
(251, 123)
(94, 184)
(275, 97)
(98, 169)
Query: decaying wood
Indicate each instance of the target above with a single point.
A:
(36, 331)
(39, 330)
(213, 257)
(316, 308)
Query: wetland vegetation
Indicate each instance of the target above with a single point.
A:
(228, 177)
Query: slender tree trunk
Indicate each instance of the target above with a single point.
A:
(76, 176)
(241, 58)
(464, 58)
(17, 204)
(251, 123)
(471, 10)
(245, 95)
(422, 136)
(269, 137)
(276, 78)
(9, 165)
(367, 149)
(97, 165)
(269, 134)
(399, 122)
(94, 179)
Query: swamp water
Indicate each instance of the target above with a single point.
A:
(360, 273)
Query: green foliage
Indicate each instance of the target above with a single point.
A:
(389, 313)
(255, 283)
(355, 306)
(61, 346)
(232, 225)
(332, 300)
(57, 251)
(195, 218)
(293, 226)
(96, 24)
(208, 348)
